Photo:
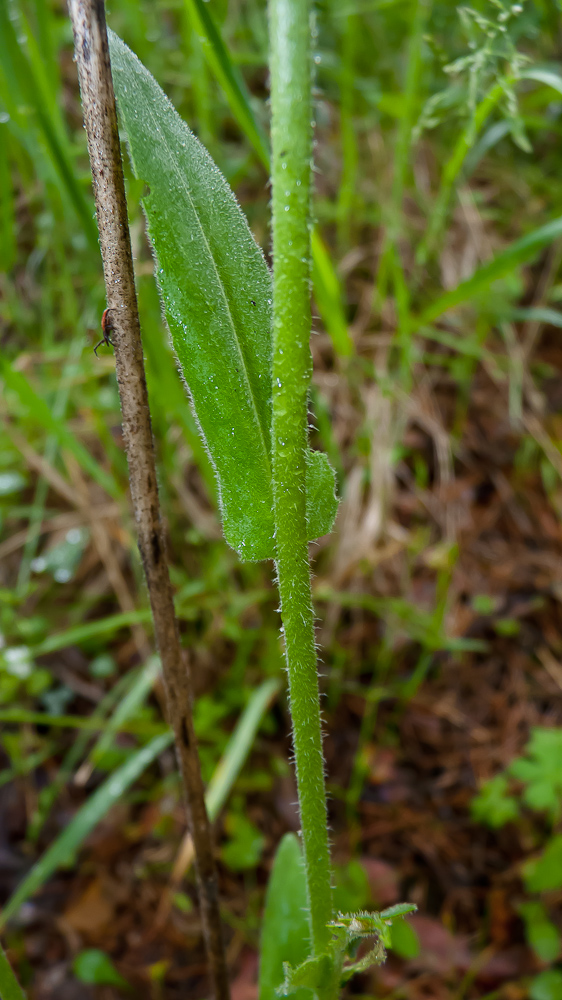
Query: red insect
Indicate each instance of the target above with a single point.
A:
(106, 329)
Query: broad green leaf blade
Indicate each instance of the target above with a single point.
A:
(10, 989)
(216, 289)
(217, 292)
(285, 932)
(90, 814)
(516, 254)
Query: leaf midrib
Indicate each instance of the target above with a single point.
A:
(184, 187)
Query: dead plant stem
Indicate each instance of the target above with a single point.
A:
(100, 117)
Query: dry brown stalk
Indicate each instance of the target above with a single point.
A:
(100, 117)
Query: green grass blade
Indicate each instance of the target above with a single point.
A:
(543, 75)
(58, 409)
(50, 793)
(91, 630)
(89, 724)
(539, 314)
(217, 293)
(228, 76)
(127, 707)
(402, 157)
(391, 261)
(93, 811)
(10, 989)
(40, 412)
(239, 746)
(98, 805)
(327, 293)
(19, 74)
(7, 213)
(347, 197)
(515, 254)
(326, 285)
(452, 169)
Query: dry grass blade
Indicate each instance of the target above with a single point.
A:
(60, 522)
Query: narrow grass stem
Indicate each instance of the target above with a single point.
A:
(100, 117)
(391, 270)
(291, 133)
(452, 169)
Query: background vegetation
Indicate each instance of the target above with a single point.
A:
(439, 402)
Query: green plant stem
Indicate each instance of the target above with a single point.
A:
(10, 989)
(291, 133)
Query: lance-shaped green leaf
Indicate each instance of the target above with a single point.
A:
(285, 936)
(216, 289)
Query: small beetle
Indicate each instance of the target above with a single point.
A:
(106, 329)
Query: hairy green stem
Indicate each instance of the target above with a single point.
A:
(291, 135)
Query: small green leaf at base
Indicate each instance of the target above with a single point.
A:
(285, 932)
(315, 974)
(321, 974)
(351, 927)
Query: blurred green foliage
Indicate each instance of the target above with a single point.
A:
(379, 66)
(539, 772)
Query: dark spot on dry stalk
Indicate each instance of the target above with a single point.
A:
(155, 543)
